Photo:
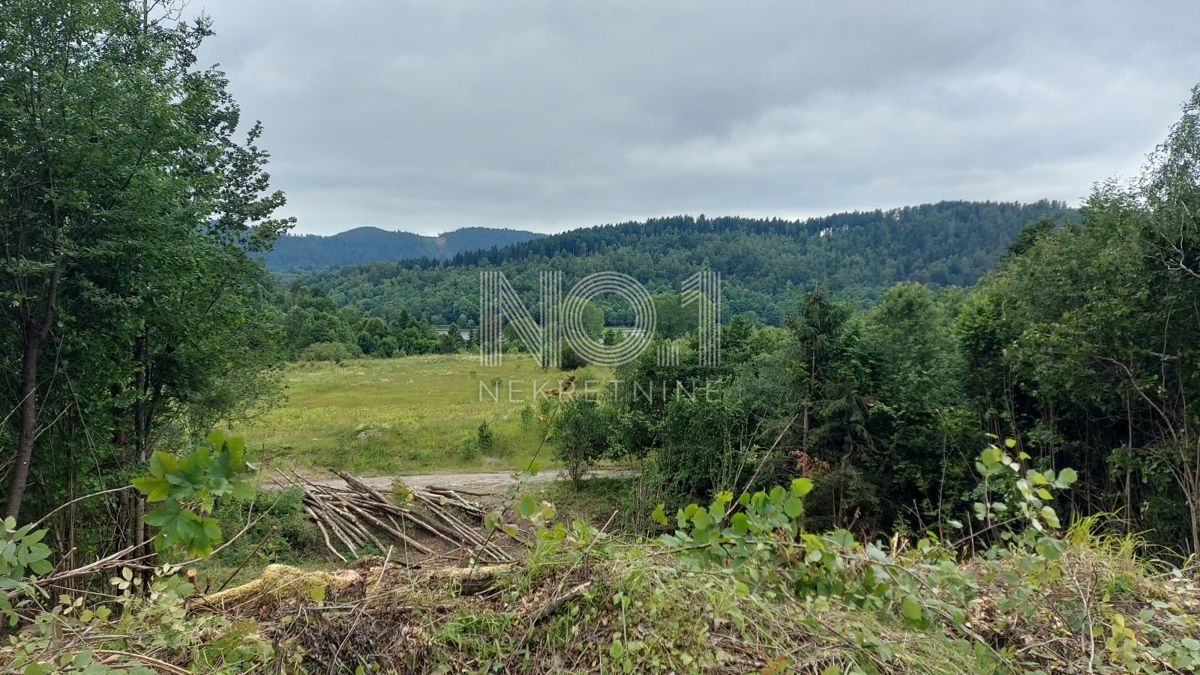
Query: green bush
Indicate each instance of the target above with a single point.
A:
(571, 360)
(486, 438)
(581, 435)
(330, 351)
(282, 533)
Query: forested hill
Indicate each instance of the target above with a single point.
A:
(371, 244)
(764, 262)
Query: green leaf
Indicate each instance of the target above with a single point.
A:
(527, 506)
(793, 507)
(243, 489)
(617, 650)
(659, 516)
(212, 530)
(740, 522)
(219, 487)
(801, 486)
(154, 488)
(162, 515)
(777, 495)
(317, 593)
(911, 608)
(990, 456)
(1066, 477)
(1050, 517)
(216, 439)
(162, 462)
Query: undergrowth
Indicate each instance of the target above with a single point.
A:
(736, 585)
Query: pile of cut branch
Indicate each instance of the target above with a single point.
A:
(358, 516)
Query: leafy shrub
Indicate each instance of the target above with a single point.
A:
(281, 531)
(467, 448)
(484, 442)
(485, 438)
(572, 360)
(580, 435)
(330, 351)
(77, 637)
(186, 490)
(22, 554)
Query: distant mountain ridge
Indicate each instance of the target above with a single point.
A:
(361, 245)
(765, 263)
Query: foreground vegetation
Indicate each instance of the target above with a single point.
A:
(735, 585)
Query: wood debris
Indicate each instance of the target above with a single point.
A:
(357, 516)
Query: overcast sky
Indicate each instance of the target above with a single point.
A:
(551, 114)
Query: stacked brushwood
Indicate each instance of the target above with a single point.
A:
(356, 516)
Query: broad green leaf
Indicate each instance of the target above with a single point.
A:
(243, 489)
(658, 515)
(801, 486)
(154, 488)
(740, 522)
(1050, 517)
(162, 462)
(527, 506)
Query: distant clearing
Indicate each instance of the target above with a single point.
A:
(413, 414)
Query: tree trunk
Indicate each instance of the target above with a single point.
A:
(140, 442)
(35, 334)
(1195, 523)
(28, 393)
(1128, 464)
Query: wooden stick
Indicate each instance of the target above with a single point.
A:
(324, 532)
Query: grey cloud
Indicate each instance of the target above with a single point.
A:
(545, 114)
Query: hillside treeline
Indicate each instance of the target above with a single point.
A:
(766, 265)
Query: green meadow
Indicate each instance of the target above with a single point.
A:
(406, 415)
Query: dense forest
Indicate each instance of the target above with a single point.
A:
(766, 264)
(293, 252)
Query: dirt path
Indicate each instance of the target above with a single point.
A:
(486, 483)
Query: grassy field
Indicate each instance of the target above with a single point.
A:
(413, 414)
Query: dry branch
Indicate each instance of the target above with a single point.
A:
(357, 515)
